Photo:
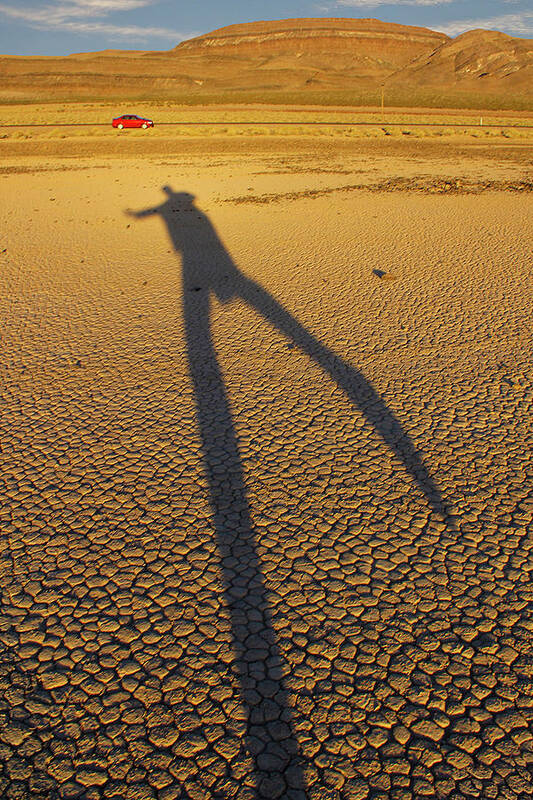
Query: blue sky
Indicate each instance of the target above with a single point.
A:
(59, 27)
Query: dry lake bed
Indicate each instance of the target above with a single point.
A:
(266, 466)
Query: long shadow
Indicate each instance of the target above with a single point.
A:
(207, 267)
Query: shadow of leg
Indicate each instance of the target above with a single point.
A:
(360, 392)
(270, 738)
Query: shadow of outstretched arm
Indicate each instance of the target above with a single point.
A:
(146, 212)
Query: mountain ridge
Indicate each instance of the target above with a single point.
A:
(295, 56)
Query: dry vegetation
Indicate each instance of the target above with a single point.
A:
(37, 113)
(73, 123)
(357, 99)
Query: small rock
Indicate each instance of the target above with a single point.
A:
(428, 729)
(127, 667)
(61, 769)
(163, 736)
(357, 789)
(53, 680)
(91, 776)
(401, 734)
(377, 737)
(227, 748)
(189, 746)
(13, 734)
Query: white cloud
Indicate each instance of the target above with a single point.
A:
(76, 16)
(137, 32)
(520, 24)
(374, 3)
(59, 12)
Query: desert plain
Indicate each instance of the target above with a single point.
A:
(266, 458)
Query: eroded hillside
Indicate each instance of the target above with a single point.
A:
(345, 61)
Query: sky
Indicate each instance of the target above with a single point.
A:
(60, 27)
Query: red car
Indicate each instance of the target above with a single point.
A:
(132, 121)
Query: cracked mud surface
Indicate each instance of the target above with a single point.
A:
(266, 502)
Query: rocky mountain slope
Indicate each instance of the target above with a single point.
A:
(477, 59)
(306, 51)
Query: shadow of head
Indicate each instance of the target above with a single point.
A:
(184, 199)
(207, 265)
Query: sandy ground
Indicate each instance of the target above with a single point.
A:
(266, 469)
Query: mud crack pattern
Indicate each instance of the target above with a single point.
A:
(250, 552)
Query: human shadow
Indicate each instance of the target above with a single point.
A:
(208, 268)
